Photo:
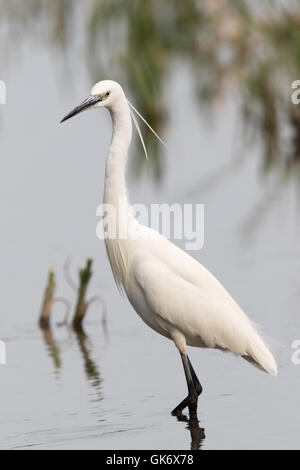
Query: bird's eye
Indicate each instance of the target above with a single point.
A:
(107, 94)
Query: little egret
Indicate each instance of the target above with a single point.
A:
(173, 293)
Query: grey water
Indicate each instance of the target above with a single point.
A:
(115, 390)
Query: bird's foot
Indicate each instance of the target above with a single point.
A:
(179, 408)
(191, 402)
(185, 403)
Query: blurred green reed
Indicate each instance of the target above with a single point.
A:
(248, 49)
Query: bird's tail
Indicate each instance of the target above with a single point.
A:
(259, 355)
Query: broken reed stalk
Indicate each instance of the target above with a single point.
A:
(48, 300)
(85, 275)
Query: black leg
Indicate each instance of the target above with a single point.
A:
(197, 388)
(195, 379)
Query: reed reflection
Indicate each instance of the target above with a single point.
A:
(52, 348)
(90, 367)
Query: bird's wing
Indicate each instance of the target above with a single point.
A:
(195, 312)
(204, 318)
(185, 266)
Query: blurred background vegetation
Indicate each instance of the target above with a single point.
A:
(248, 49)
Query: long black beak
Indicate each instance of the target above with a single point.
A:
(88, 103)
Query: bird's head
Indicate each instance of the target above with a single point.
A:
(104, 94)
(109, 94)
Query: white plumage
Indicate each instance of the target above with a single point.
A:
(173, 293)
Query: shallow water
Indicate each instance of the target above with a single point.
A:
(116, 390)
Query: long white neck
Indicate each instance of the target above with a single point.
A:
(115, 193)
(115, 185)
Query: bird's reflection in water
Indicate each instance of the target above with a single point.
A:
(197, 433)
(90, 367)
(52, 348)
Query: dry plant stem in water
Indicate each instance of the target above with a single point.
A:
(82, 304)
(48, 300)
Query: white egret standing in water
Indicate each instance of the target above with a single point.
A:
(173, 293)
